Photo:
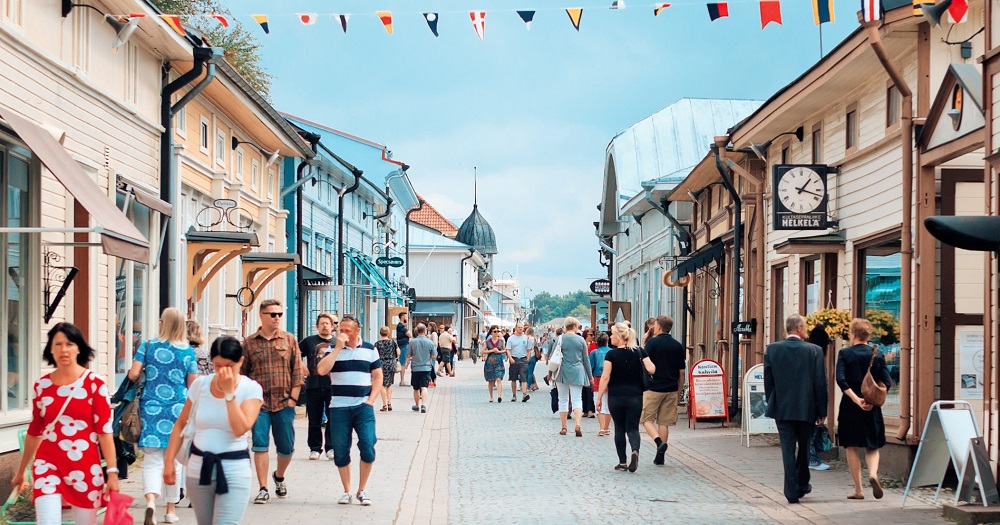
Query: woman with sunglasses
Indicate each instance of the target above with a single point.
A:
(493, 369)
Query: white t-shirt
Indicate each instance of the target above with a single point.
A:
(211, 420)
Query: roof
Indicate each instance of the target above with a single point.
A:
(478, 233)
(429, 216)
(422, 236)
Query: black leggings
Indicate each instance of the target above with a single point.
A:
(625, 412)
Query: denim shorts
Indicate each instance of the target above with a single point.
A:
(359, 418)
(403, 350)
(278, 424)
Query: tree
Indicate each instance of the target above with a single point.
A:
(242, 50)
(550, 306)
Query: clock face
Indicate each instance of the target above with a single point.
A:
(801, 190)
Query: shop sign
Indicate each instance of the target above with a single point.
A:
(745, 327)
(755, 404)
(708, 391)
(386, 262)
(800, 196)
(601, 287)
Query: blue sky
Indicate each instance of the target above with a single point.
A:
(534, 109)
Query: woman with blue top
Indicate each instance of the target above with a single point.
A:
(572, 375)
(597, 366)
(170, 365)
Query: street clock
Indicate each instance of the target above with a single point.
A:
(800, 197)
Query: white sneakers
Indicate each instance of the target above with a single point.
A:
(171, 518)
(329, 455)
(314, 455)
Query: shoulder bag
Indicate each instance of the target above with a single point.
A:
(69, 397)
(647, 378)
(131, 420)
(871, 390)
(187, 433)
(555, 360)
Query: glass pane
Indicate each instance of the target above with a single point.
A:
(881, 294)
(138, 304)
(17, 305)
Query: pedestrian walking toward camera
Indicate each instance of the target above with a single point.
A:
(272, 359)
(170, 365)
(445, 343)
(317, 386)
(402, 341)
(860, 426)
(493, 359)
(434, 334)
(621, 381)
(422, 354)
(534, 354)
(573, 375)
(517, 357)
(454, 348)
(223, 408)
(354, 369)
(795, 389)
(388, 353)
(659, 403)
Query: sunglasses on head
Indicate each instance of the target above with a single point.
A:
(274, 314)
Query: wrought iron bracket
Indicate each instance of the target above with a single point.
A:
(54, 279)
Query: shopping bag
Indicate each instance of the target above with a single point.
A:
(821, 439)
(117, 512)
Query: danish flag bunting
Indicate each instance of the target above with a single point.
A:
(479, 23)
(174, 22)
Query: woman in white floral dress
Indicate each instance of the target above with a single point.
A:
(70, 420)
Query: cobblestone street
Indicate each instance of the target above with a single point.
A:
(468, 461)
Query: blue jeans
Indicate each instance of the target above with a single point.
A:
(278, 424)
(361, 419)
(531, 370)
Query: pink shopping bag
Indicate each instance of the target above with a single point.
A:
(117, 512)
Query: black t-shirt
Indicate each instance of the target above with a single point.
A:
(668, 356)
(308, 348)
(401, 337)
(626, 376)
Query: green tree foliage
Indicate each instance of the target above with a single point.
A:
(242, 48)
(550, 306)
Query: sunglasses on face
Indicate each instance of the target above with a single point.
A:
(274, 314)
(495, 331)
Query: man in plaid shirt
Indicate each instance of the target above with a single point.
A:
(271, 358)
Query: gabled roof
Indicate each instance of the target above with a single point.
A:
(424, 237)
(429, 216)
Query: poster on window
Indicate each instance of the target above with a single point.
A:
(970, 370)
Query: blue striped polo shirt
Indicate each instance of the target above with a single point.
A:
(351, 376)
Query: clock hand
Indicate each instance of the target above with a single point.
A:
(803, 190)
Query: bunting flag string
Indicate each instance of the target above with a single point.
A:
(479, 23)
(770, 11)
(659, 8)
(343, 21)
(527, 17)
(871, 10)
(575, 13)
(386, 18)
(822, 11)
(221, 19)
(262, 21)
(174, 22)
(717, 11)
(307, 19)
(958, 11)
(618, 4)
(432, 22)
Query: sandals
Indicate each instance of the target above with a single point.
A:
(603, 432)
(623, 467)
(579, 432)
(383, 409)
(876, 487)
(562, 432)
(390, 407)
(857, 495)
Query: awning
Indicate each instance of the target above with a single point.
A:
(434, 309)
(259, 269)
(208, 252)
(152, 202)
(313, 280)
(477, 313)
(119, 237)
(374, 276)
(711, 252)
(811, 245)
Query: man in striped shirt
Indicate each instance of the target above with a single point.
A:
(353, 367)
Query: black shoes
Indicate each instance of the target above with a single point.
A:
(634, 463)
(661, 451)
(525, 398)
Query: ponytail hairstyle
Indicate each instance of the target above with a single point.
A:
(625, 334)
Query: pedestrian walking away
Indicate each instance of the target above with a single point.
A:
(446, 340)
(517, 357)
(795, 390)
(621, 381)
(388, 353)
(317, 386)
(422, 354)
(272, 359)
(597, 358)
(820, 338)
(354, 368)
(197, 342)
(534, 354)
(860, 426)
(169, 365)
(659, 402)
(223, 408)
(493, 359)
(574, 373)
(402, 341)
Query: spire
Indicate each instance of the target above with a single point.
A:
(475, 188)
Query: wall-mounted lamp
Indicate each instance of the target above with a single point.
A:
(272, 157)
(761, 149)
(124, 26)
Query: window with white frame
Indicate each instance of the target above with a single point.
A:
(270, 183)
(220, 148)
(238, 167)
(254, 173)
(203, 128)
(181, 122)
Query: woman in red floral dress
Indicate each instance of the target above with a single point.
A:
(70, 419)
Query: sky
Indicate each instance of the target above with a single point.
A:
(533, 111)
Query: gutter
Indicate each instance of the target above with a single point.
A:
(734, 345)
(461, 293)
(906, 250)
(299, 279)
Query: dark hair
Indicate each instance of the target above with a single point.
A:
(666, 323)
(76, 337)
(227, 347)
(602, 339)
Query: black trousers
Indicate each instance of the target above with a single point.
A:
(625, 412)
(796, 462)
(317, 401)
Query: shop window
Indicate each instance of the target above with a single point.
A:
(779, 300)
(893, 106)
(878, 298)
(131, 291)
(811, 292)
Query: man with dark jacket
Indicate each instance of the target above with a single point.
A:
(795, 389)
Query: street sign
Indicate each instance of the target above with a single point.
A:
(385, 262)
(601, 287)
(745, 327)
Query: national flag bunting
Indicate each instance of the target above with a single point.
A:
(262, 21)
(174, 22)
(918, 9)
(343, 21)
(527, 17)
(958, 11)
(221, 19)
(822, 11)
(575, 13)
(479, 23)
(871, 10)
(658, 8)
(386, 18)
(618, 4)
(717, 11)
(432, 22)
(307, 18)
(770, 11)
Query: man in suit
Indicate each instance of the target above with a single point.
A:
(795, 388)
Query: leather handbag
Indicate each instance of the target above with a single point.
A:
(130, 423)
(871, 390)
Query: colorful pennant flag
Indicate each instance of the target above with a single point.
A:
(527, 17)
(918, 9)
(479, 23)
(770, 11)
(262, 20)
(958, 11)
(221, 19)
(307, 19)
(618, 4)
(717, 11)
(575, 13)
(658, 8)
(386, 18)
(822, 11)
(137, 15)
(343, 21)
(174, 22)
(432, 22)
(871, 10)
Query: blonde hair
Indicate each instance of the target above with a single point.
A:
(625, 333)
(570, 323)
(861, 329)
(172, 326)
(194, 335)
(384, 331)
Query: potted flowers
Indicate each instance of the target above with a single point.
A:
(837, 322)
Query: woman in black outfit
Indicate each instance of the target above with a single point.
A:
(622, 380)
(860, 424)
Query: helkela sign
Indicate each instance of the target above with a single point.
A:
(385, 262)
(601, 287)
(800, 196)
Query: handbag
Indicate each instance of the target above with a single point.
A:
(117, 512)
(187, 434)
(555, 360)
(647, 378)
(871, 390)
(69, 397)
(821, 439)
(131, 421)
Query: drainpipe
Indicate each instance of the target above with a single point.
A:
(408, 212)
(734, 345)
(461, 295)
(906, 250)
(684, 239)
(168, 256)
(300, 311)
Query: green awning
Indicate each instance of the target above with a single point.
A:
(374, 276)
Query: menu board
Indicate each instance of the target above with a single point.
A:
(708, 391)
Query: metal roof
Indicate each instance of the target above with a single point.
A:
(423, 237)
(478, 233)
